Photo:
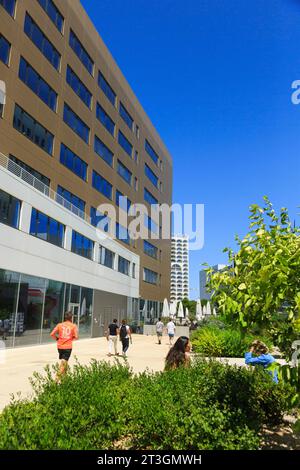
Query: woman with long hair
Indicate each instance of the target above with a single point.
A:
(179, 354)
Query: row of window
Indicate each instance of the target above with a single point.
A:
(41, 41)
(50, 230)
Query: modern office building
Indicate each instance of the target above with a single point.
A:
(179, 268)
(204, 294)
(73, 136)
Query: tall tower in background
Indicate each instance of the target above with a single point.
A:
(179, 268)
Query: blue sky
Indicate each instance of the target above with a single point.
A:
(215, 78)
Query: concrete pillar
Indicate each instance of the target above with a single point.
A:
(68, 238)
(25, 217)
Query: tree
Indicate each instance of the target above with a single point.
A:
(191, 305)
(261, 286)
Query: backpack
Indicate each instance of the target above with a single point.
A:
(123, 332)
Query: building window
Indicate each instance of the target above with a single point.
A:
(103, 151)
(136, 156)
(71, 198)
(78, 87)
(37, 84)
(137, 131)
(106, 257)
(73, 162)
(99, 220)
(105, 120)
(125, 144)
(9, 209)
(136, 185)
(44, 227)
(53, 13)
(150, 224)
(150, 249)
(81, 52)
(9, 6)
(4, 50)
(151, 175)
(107, 89)
(29, 169)
(124, 203)
(151, 152)
(42, 42)
(122, 233)
(149, 197)
(76, 124)
(126, 116)
(123, 265)
(102, 185)
(133, 273)
(33, 130)
(82, 246)
(150, 276)
(124, 173)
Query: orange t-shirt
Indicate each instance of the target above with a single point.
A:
(67, 331)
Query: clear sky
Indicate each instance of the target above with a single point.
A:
(215, 78)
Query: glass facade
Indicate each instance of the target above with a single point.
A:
(76, 124)
(73, 162)
(105, 119)
(150, 249)
(149, 197)
(44, 227)
(33, 130)
(102, 185)
(106, 257)
(150, 276)
(107, 89)
(151, 152)
(37, 84)
(122, 233)
(81, 53)
(53, 13)
(151, 175)
(126, 116)
(103, 151)
(78, 87)
(124, 203)
(30, 170)
(9, 209)
(71, 198)
(125, 144)
(30, 307)
(123, 265)
(82, 245)
(101, 221)
(4, 50)
(10, 6)
(124, 172)
(41, 42)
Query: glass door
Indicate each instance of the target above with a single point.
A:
(75, 309)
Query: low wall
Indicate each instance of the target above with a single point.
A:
(180, 330)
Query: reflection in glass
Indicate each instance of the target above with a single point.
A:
(53, 310)
(30, 310)
(9, 283)
(86, 312)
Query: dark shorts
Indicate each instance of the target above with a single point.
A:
(159, 333)
(64, 354)
(171, 335)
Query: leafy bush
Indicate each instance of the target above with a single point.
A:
(226, 342)
(207, 406)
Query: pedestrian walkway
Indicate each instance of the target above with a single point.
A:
(20, 363)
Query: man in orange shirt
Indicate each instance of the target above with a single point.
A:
(64, 333)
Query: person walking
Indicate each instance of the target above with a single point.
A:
(64, 333)
(112, 337)
(171, 330)
(159, 330)
(179, 354)
(125, 336)
(263, 358)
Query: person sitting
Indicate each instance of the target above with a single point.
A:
(263, 358)
(179, 354)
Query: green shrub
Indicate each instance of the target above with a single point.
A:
(207, 406)
(225, 342)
